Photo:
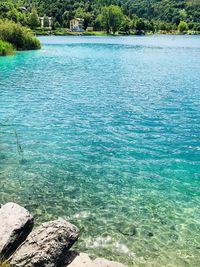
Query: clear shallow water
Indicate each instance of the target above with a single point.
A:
(107, 136)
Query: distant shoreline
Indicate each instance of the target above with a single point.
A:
(63, 32)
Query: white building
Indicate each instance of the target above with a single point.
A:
(42, 22)
(76, 25)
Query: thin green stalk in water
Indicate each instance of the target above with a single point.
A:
(19, 147)
(3, 130)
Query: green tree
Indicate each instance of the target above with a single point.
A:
(34, 21)
(104, 19)
(80, 13)
(149, 26)
(98, 23)
(111, 18)
(87, 19)
(66, 18)
(56, 25)
(125, 25)
(139, 26)
(13, 15)
(183, 14)
(116, 17)
(182, 27)
(46, 21)
(22, 19)
(165, 14)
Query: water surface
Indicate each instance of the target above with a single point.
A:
(105, 132)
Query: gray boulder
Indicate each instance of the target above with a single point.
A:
(47, 245)
(15, 225)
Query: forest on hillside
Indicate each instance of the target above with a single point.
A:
(109, 15)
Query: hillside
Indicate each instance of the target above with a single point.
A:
(153, 14)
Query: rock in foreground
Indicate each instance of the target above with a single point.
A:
(47, 245)
(79, 260)
(100, 262)
(15, 225)
(83, 260)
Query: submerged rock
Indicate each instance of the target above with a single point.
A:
(75, 259)
(79, 260)
(83, 260)
(15, 225)
(101, 262)
(47, 245)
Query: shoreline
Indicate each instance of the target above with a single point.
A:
(98, 33)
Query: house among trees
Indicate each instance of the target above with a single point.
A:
(76, 25)
(45, 22)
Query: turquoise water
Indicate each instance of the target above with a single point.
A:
(105, 132)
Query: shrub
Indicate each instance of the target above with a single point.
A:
(6, 48)
(139, 26)
(182, 27)
(20, 37)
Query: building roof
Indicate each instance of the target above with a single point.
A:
(79, 19)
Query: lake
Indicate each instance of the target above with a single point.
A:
(105, 132)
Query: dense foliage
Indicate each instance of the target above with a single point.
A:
(20, 37)
(6, 48)
(108, 15)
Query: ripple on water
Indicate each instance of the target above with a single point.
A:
(109, 130)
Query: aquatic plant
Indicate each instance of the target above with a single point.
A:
(19, 146)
